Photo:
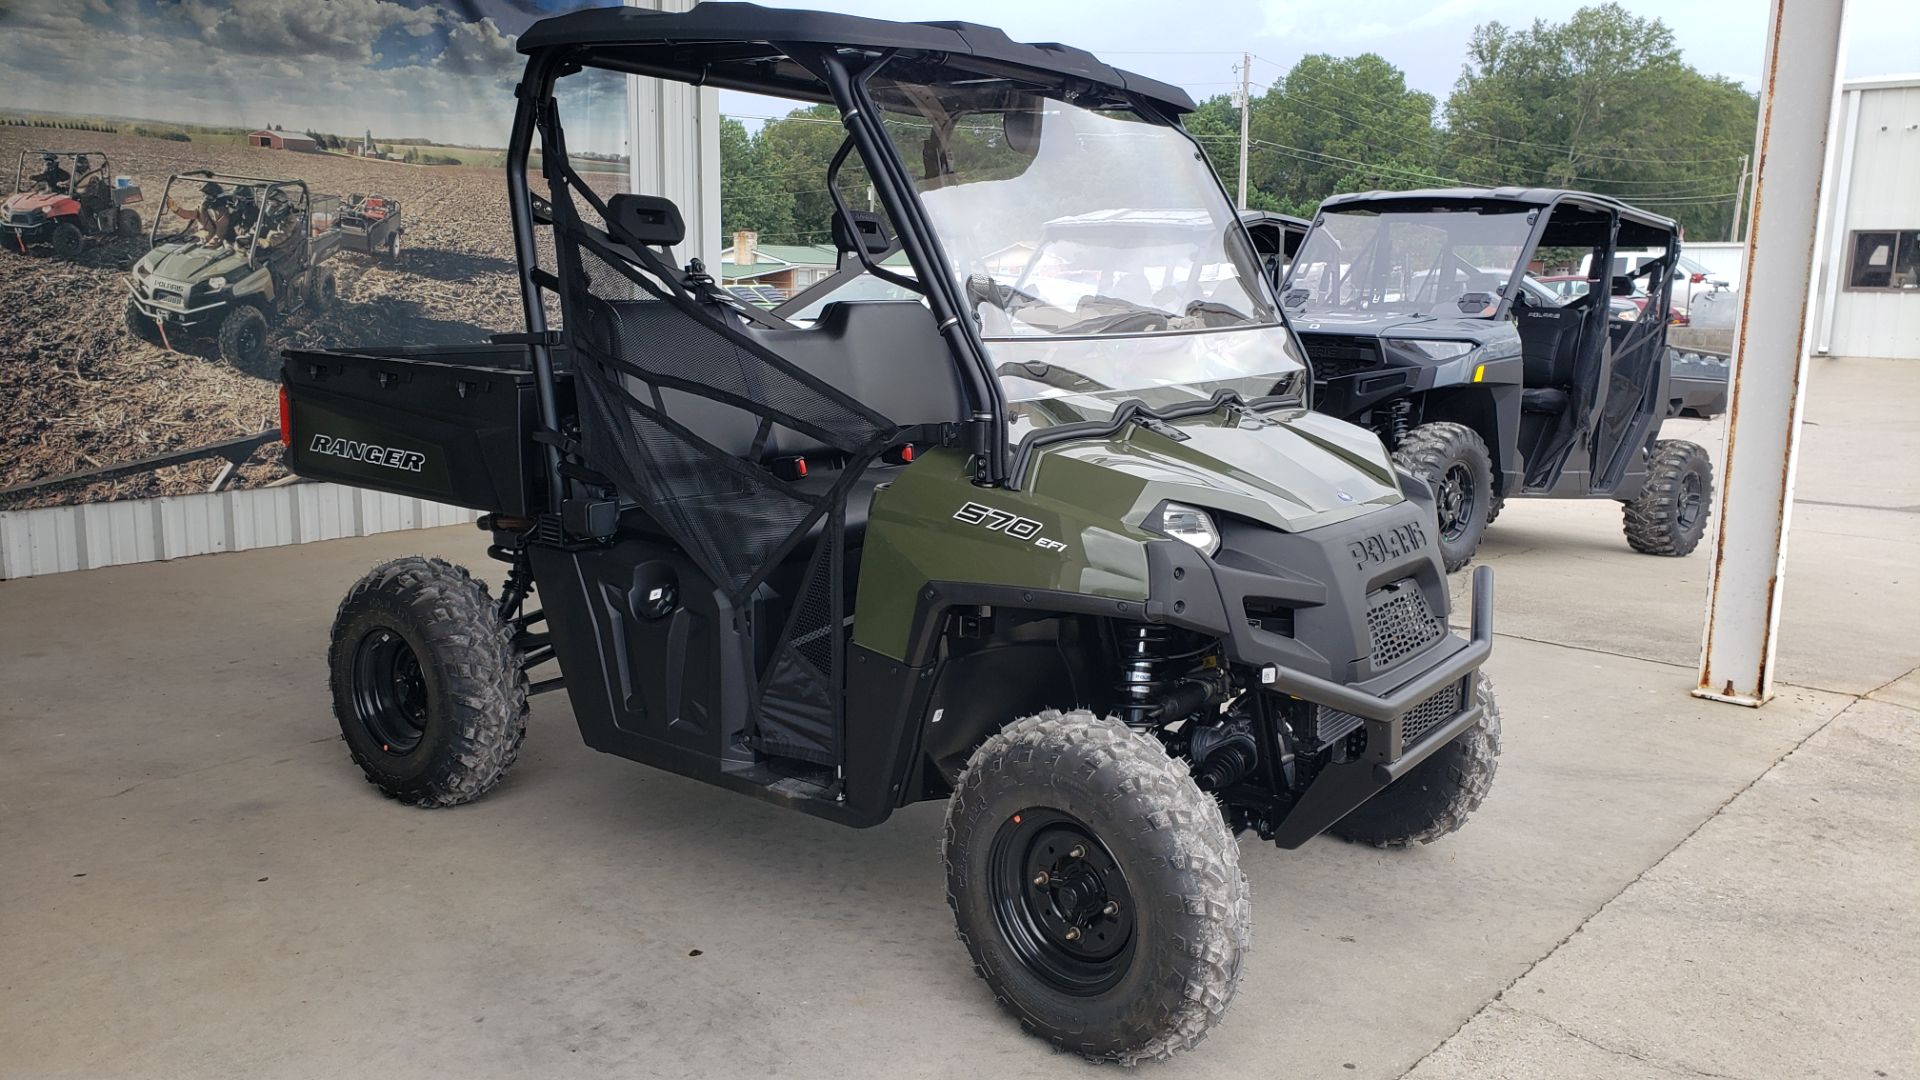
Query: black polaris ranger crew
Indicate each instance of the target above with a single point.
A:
(1420, 314)
(1054, 538)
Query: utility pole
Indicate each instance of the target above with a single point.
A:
(1246, 109)
(1739, 197)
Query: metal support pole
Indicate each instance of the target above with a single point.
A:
(1748, 574)
(1739, 198)
(1246, 110)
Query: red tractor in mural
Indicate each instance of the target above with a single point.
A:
(73, 199)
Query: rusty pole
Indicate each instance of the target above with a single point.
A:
(1785, 223)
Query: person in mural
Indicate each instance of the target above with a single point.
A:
(276, 229)
(213, 221)
(52, 177)
(91, 188)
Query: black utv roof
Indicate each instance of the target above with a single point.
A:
(738, 46)
(1428, 198)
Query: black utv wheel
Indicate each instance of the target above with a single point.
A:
(243, 336)
(1097, 887)
(140, 326)
(1438, 796)
(393, 247)
(67, 240)
(326, 289)
(1669, 516)
(1454, 461)
(427, 683)
(127, 223)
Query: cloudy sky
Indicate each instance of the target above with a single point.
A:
(401, 67)
(1176, 42)
(444, 71)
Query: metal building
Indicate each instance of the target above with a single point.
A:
(1869, 291)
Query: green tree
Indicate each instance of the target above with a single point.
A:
(1603, 102)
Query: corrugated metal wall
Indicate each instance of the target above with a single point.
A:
(88, 536)
(1882, 192)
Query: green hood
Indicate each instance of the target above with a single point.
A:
(1291, 469)
(191, 263)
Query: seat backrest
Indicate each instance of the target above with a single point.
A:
(642, 324)
(1548, 340)
(885, 354)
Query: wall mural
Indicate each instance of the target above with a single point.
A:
(192, 186)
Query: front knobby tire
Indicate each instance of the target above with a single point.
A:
(1439, 795)
(1453, 460)
(243, 336)
(1669, 516)
(1097, 887)
(427, 683)
(68, 240)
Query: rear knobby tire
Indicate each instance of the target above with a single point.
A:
(127, 223)
(1156, 839)
(1669, 516)
(1438, 796)
(326, 289)
(243, 336)
(1453, 460)
(452, 725)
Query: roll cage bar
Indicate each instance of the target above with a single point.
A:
(810, 56)
(73, 177)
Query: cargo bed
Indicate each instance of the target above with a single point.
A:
(451, 423)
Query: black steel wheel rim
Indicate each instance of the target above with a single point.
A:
(1692, 504)
(1061, 901)
(389, 692)
(1456, 500)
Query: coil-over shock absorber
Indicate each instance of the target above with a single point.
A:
(1163, 673)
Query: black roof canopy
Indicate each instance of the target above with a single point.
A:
(740, 46)
(1497, 199)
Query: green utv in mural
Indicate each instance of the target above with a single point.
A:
(1055, 540)
(231, 255)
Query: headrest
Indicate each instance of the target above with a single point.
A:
(648, 220)
(866, 231)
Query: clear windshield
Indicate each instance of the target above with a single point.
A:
(225, 213)
(1453, 263)
(1068, 224)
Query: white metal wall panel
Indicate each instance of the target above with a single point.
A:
(85, 537)
(1883, 193)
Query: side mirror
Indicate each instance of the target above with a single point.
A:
(1022, 129)
(1622, 286)
(861, 231)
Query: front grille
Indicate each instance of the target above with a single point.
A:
(1334, 355)
(1330, 724)
(1428, 715)
(1400, 622)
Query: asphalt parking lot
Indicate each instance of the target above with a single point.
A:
(196, 882)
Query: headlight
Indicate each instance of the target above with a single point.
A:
(216, 283)
(140, 270)
(1190, 525)
(1432, 350)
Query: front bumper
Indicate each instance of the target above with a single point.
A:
(172, 305)
(1307, 612)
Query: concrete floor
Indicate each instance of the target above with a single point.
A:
(195, 882)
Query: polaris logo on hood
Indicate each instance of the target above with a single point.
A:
(391, 457)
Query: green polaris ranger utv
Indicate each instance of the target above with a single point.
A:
(1071, 555)
(230, 256)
